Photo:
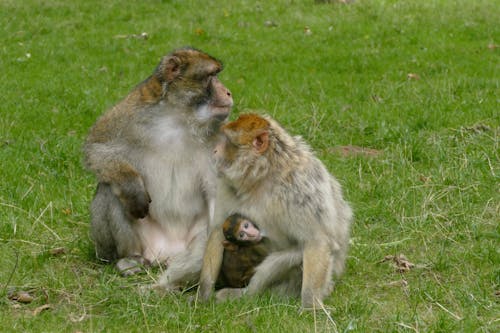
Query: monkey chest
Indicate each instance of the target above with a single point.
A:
(177, 184)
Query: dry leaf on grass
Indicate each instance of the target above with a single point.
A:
(477, 128)
(57, 251)
(400, 262)
(199, 32)
(270, 24)
(21, 297)
(413, 76)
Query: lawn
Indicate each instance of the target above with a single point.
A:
(400, 99)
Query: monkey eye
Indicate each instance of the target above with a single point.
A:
(245, 226)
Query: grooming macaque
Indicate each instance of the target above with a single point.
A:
(151, 154)
(274, 178)
(244, 248)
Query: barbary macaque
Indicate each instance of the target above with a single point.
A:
(244, 248)
(151, 154)
(275, 179)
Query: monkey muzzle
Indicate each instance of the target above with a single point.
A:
(221, 112)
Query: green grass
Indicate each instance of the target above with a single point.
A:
(432, 195)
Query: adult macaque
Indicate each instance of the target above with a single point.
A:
(274, 178)
(151, 155)
(244, 248)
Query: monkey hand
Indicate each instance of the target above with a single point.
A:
(138, 204)
(134, 198)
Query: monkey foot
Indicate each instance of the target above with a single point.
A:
(164, 290)
(132, 265)
(229, 293)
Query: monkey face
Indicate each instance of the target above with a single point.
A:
(225, 153)
(248, 232)
(214, 101)
(220, 101)
(190, 79)
(240, 230)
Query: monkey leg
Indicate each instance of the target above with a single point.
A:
(291, 286)
(317, 274)
(275, 269)
(131, 265)
(112, 232)
(184, 268)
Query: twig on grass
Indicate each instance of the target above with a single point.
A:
(328, 315)
(457, 317)
(407, 326)
(21, 241)
(38, 220)
(144, 314)
(260, 308)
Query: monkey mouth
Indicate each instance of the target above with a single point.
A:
(221, 112)
(222, 106)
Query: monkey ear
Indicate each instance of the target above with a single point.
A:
(170, 68)
(261, 142)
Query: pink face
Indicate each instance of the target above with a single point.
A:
(248, 232)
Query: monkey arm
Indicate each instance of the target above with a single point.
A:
(212, 259)
(212, 262)
(111, 166)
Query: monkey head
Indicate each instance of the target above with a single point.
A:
(188, 79)
(242, 150)
(240, 230)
